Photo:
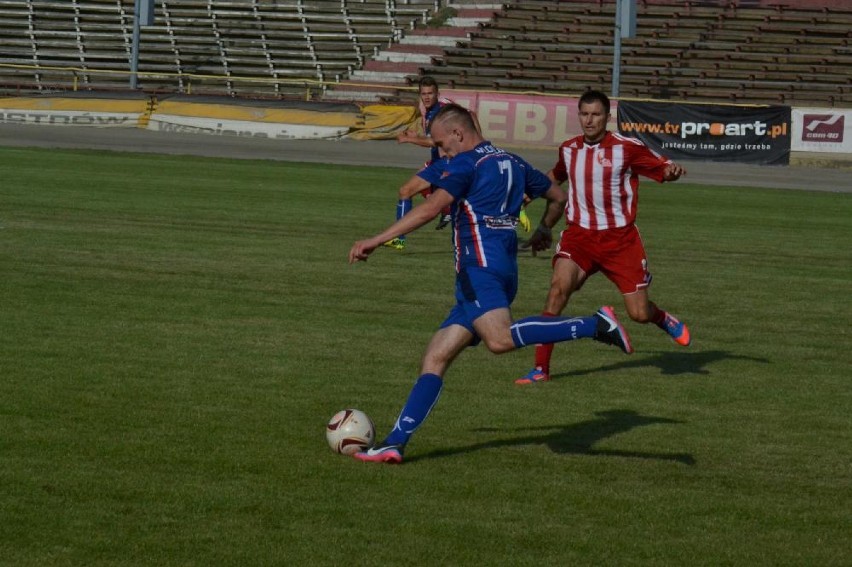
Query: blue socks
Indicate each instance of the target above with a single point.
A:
(422, 398)
(528, 331)
(544, 330)
(402, 208)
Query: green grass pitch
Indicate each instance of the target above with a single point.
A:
(176, 331)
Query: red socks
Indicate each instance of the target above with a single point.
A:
(659, 316)
(544, 352)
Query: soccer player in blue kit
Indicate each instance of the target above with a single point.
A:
(430, 103)
(485, 188)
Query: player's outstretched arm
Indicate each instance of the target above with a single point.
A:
(412, 137)
(361, 250)
(413, 186)
(414, 219)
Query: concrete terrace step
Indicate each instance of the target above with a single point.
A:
(443, 41)
(393, 66)
(360, 93)
(448, 32)
(380, 77)
(412, 48)
(458, 6)
(466, 22)
(407, 57)
(477, 13)
(354, 87)
(466, 18)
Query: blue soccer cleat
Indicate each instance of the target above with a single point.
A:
(676, 330)
(533, 376)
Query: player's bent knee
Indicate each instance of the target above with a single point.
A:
(499, 346)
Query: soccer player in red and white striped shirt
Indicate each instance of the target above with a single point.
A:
(602, 169)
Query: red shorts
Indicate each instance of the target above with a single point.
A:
(618, 253)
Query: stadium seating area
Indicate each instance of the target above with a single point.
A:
(238, 47)
(690, 51)
(729, 52)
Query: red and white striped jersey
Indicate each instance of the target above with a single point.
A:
(603, 179)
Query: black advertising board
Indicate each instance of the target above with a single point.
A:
(758, 135)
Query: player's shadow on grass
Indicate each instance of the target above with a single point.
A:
(577, 438)
(670, 363)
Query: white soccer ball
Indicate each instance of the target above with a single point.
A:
(350, 431)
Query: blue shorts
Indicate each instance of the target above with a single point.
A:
(478, 291)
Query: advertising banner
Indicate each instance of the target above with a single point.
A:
(72, 111)
(177, 124)
(523, 120)
(759, 135)
(822, 130)
(222, 119)
(384, 122)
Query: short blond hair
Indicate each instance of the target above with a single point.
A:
(455, 114)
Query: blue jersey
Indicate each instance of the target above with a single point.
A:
(488, 187)
(427, 124)
(434, 170)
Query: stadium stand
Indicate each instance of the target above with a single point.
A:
(237, 47)
(255, 48)
(696, 51)
(722, 51)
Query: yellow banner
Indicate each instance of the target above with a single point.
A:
(123, 106)
(258, 114)
(383, 122)
(371, 122)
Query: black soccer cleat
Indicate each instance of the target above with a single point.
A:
(610, 331)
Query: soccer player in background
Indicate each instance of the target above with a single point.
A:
(485, 187)
(429, 103)
(602, 169)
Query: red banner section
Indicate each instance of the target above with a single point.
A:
(822, 130)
